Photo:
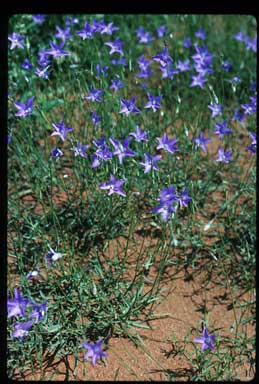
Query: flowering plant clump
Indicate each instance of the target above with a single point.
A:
(25, 308)
(168, 202)
(132, 148)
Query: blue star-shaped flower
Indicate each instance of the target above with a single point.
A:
(153, 102)
(167, 144)
(24, 109)
(87, 32)
(150, 162)
(122, 148)
(206, 340)
(61, 130)
(56, 50)
(129, 106)
(224, 156)
(114, 186)
(201, 141)
(222, 129)
(16, 40)
(139, 135)
(95, 351)
(116, 46)
(17, 305)
(94, 94)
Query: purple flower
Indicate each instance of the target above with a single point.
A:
(99, 143)
(95, 351)
(183, 65)
(39, 19)
(114, 186)
(129, 106)
(53, 256)
(184, 198)
(43, 60)
(163, 58)
(16, 40)
(165, 210)
(102, 153)
(56, 152)
(216, 109)
(202, 55)
(201, 141)
(116, 84)
(61, 130)
(94, 94)
(22, 329)
(95, 118)
(143, 85)
(153, 102)
(139, 134)
(116, 46)
(101, 70)
(167, 144)
(198, 81)
(168, 71)
(119, 61)
(150, 162)
(226, 65)
(161, 31)
(203, 68)
(167, 199)
(42, 72)
(24, 109)
(122, 148)
(145, 73)
(187, 42)
(250, 108)
(143, 63)
(27, 65)
(98, 25)
(56, 50)
(251, 44)
(253, 86)
(108, 29)
(167, 195)
(201, 34)
(240, 36)
(206, 340)
(38, 311)
(253, 137)
(235, 80)
(32, 274)
(238, 116)
(9, 138)
(144, 36)
(87, 32)
(222, 129)
(80, 149)
(63, 34)
(17, 305)
(71, 21)
(252, 146)
(202, 60)
(224, 157)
